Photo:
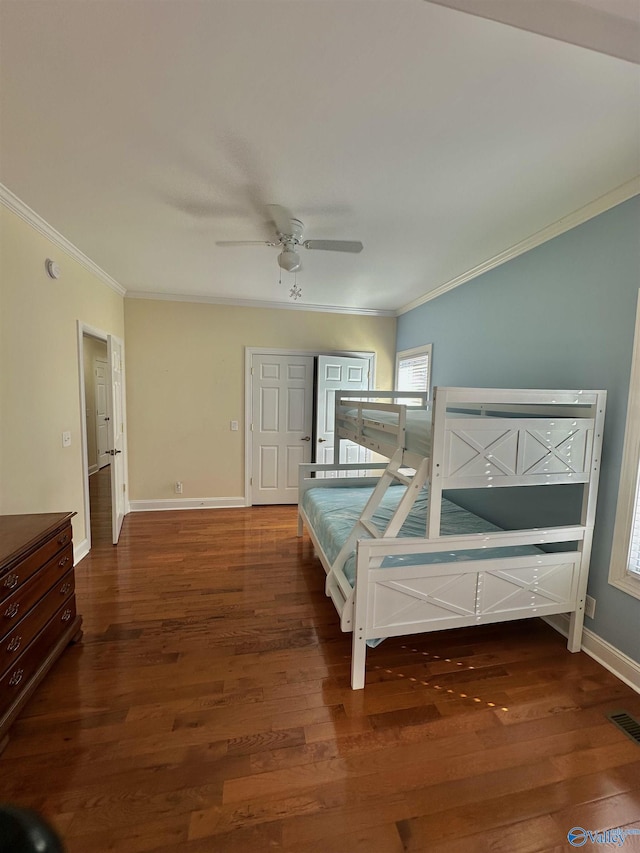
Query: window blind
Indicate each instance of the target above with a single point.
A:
(413, 373)
(634, 548)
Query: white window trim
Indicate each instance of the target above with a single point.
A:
(619, 576)
(425, 349)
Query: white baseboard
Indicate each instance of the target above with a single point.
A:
(185, 503)
(608, 656)
(80, 551)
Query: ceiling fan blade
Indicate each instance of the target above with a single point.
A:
(244, 243)
(334, 245)
(281, 218)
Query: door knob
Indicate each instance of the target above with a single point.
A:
(320, 440)
(306, 438)
(113, 452)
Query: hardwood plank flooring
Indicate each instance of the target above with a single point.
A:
(100, 506)
(208, 708)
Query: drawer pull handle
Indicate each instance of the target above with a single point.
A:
(12, 610)
(62, 540)
(64, 589)
(16, 677)
(11, 581)
(63, 561)
(14, 644)
(66, 615)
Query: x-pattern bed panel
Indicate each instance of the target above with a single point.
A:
(503, 450)
(471, 593)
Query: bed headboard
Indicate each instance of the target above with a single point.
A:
(504, 437)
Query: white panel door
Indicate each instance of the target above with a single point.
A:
(282, 421)
(102, 416)
(115, 400)
(338, 373)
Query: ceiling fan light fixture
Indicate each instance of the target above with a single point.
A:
(288, 235)
(289, 260)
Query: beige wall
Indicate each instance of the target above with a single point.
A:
(39, 375)
(92, 349)
(185, 382)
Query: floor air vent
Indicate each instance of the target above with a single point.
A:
(626, 723)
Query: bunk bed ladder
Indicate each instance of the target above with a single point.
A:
(391, 474)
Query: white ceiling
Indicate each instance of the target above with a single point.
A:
(146, 131)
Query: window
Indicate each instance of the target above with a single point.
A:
(633, 563)
(413, 369)
(624, 570)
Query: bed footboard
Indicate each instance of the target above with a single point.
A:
(415, 599)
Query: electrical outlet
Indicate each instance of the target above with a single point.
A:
(66, 438)
(234, 425)
(589, 606)
(178, 488)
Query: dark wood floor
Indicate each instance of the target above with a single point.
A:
(100, 504)
(208, 709)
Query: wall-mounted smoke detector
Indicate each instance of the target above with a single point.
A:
(52, 268)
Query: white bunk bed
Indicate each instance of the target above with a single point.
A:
(400, 559)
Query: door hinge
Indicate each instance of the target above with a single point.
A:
(251, 481)
(124, 487)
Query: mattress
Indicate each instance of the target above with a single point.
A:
(332, 513)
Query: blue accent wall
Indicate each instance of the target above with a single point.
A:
(560, 316)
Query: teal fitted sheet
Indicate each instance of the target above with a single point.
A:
(332, 512)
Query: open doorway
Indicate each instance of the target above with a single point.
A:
(104, 434)
(94, 352)
(97, 419)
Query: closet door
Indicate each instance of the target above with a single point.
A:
(282, 424)
(338, 373)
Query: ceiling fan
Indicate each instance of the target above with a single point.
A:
(289, 237)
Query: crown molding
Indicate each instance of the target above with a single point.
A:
(13, 203)
(255, 303)
(605, 27)
(589, 211)
(600, 205)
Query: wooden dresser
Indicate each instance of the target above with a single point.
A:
(38, 615)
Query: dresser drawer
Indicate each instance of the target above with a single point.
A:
(29, 593)
(18, 638)
(18, 574)
(18, 675)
